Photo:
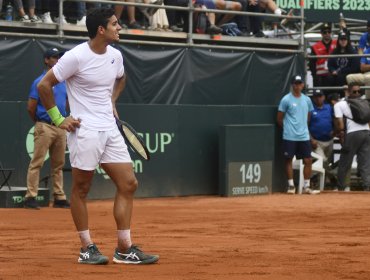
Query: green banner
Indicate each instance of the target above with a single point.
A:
(329, 10)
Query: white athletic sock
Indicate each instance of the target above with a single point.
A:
(85, 238)
(306, 183)
(291, 182)
(124, 237)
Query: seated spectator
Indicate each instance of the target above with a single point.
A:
(177, 18)
(50, 12)
(157, 17)
(321, 130)
(364, 77)
(255, 23)
(340, 67)
(132, 23)
(270, 6)
(32, 17)
(364, 42)
(220, 5)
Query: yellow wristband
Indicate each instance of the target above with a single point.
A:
(55, 116)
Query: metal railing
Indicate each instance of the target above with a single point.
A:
(190, 9)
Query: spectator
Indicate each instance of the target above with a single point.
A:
(47, 138)
(50, 10)
(340, 67)
(255, 22)
(293, 115)
(32, 17)
(364, 42)
(355, 140)
(321, 129)
(364, 77)
(177, 18)
(221, 5)
(270, 6)
(318, 66)
(132, 23)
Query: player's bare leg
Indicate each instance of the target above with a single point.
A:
(81, 182)
(124, 178)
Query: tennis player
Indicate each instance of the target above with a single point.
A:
(94, 75)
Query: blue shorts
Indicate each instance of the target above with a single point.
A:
(210, 4)
(300, 149)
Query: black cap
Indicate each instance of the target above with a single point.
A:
(317, 92)
(297, 79)
(326, 26)
(53, 52)
(342, 35)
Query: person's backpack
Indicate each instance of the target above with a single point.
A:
(231, 29)
(360, 109)
(200, 21)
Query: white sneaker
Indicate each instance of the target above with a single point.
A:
(308, 190)
(347, 189)
(291, 190)
(46, 18)
(82, 21)
(25, 18)
(63, 20)
(35, 19)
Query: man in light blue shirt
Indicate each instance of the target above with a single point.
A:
(293, 117)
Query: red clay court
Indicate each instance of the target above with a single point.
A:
(200, 238)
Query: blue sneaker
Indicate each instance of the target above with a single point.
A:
(92, 256)
(134, 255)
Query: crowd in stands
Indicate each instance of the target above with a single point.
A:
(340, 70)
(46, 11)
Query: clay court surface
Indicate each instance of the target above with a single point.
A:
(264, 237)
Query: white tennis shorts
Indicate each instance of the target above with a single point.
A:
(89, 148)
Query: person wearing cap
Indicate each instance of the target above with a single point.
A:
(318, 66)
(321, 128)
(47, 138)
(293, 115)
(340, 67)
(364, 42)
(355, 140)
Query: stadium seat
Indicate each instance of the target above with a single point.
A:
(317, 168)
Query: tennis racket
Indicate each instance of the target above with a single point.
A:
(133, 139)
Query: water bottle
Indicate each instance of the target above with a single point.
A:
(9, 12)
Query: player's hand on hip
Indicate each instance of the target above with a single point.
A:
(70, 124)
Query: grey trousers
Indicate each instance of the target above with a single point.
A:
(355, 143)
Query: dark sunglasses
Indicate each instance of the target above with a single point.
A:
(326, 32)
(356, 91)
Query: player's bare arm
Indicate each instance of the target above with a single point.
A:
(118, 87)
(45, 89)
(280, 118)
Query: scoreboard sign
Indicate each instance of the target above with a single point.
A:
(249, 178)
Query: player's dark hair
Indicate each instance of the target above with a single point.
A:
(97, 17)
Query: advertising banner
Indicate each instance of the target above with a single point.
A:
(329, 10)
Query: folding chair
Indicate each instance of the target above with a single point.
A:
(6, 173)
(317, 168)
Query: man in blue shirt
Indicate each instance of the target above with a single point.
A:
(364, 42)
(47, 138)
(293, 115)
(321, 128)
